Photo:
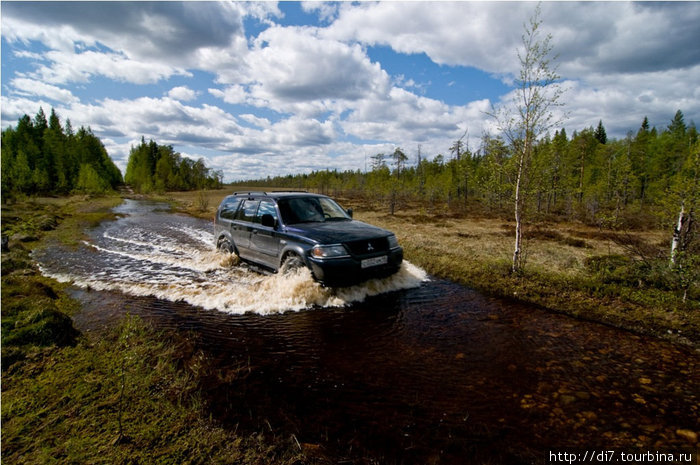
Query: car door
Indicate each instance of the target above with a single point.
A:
(226, 214)
(264, 238)
(242, 226)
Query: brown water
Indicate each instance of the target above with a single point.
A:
(399, 371)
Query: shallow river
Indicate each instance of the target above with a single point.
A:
(407, 370)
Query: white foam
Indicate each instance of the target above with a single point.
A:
(139, 262)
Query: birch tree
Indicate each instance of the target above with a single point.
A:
(529, 115)
(686, 192)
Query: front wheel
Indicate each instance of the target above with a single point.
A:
(291, 263)
(226, 247)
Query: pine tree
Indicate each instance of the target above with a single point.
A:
(640, 157)
(38, 157)
(600, 133)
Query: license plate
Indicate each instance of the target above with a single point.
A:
(369, 262)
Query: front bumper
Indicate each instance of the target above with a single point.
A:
(346, 271)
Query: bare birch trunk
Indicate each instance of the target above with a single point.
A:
(517, 252)
(677, 241)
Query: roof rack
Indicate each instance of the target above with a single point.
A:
(267, 193)
(250, 193)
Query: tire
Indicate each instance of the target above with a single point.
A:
(233, 258)
(225, 246)
(291, 263)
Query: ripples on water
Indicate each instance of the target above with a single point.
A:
(172, 257)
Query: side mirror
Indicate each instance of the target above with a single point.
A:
(268, 220)
(349, 210)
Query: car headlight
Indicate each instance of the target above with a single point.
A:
(328, 251)
(393, 242)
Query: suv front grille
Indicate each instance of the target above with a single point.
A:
(368, 246)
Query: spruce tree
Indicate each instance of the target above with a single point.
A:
(600, 133)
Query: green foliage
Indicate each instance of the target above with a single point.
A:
(89, 181)
(40, 157)
(600, 134)
(158, 168)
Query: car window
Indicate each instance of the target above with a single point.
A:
(310, 210)
(267, 207)
(332, 211)
(247, 210)
(228, 209)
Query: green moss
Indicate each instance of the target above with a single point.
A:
(121, 399)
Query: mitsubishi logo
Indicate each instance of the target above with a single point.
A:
(369, 247)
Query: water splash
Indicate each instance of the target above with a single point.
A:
(172, 258)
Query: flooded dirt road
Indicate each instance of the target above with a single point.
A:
(406, 370)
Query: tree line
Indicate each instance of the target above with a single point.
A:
(152, 167)
(40, 156)
(585, 177)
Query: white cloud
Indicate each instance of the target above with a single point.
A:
(623, 100)
(589, 37)
(256, 121)
(307, 92)
(32, 87)
(293, 65)
(327, 11)
(182, 93)
(157, 31)
(231, 94)
(69, 67)
(14, 108)
(452, 33)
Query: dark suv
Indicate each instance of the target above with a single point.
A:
(280, 230)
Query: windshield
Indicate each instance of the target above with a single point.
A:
(310, 210)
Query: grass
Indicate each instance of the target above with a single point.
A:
(120, 399)
(35, 311)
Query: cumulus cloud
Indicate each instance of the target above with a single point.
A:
(146, 30)
(624, 38)
(231, 94)
(623, 100)
(451, 33)
(604, 37)
(326, 11)
(70, 67)
(32, 87)
(289, 93)
(294, 65)
(136, 42)
(182, 93)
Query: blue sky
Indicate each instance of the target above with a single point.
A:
(262, 89)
